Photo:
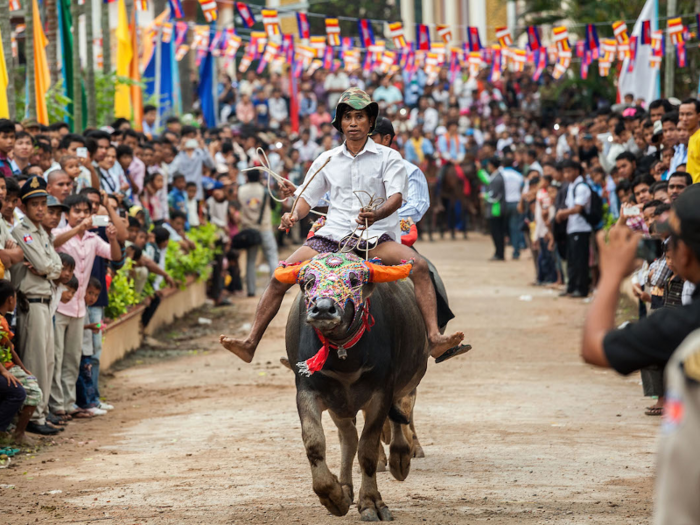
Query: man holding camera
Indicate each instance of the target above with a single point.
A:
(668, 338)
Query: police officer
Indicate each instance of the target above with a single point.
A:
(657, 340)
(33, 279)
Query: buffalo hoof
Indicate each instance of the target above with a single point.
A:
(418, 451)
(400, 462)
(372, 515)
(335, 498)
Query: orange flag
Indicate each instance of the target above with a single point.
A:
(135, 75)
(41, 68)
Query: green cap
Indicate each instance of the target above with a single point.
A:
(354, 98)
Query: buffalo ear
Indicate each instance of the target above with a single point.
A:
(288, 274)
(386, 274)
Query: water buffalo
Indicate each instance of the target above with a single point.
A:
(355, 354)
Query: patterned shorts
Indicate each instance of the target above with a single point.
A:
(326, 245)
(31, 387)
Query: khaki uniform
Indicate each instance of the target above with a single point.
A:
(678, 469)
(35, 327)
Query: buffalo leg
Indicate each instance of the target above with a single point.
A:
(347, 434)
(325, 484)
(370, 504)
(401, 449)
(417, 448)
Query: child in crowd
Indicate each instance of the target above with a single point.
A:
(61, 283)
(13, 370)
(150, 198)
(192, 206)
(177, 198)
(70, 288)
(9, 207)
(71, 165)
(86, 393)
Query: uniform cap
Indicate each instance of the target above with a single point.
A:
(34, 187)
(53, 202)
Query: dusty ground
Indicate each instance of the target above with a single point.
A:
(517, 431)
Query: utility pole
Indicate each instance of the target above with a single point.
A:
(6, 30)
(29, 57)
(77, 70)
(90, 69)
(670, 76)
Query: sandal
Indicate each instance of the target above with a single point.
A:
(81, 414)
(654, 411)
(453, 352)
(63, 416)
(56, 420)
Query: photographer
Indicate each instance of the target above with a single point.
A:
(654, 341)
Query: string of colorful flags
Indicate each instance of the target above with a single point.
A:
(307, 53)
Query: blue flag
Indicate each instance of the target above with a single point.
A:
(206, 90)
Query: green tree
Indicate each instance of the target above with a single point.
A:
(52, 36)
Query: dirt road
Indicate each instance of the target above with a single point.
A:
(517, 431)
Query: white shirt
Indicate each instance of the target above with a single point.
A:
(513, 184)
(577, 223)
(418, 198)
(278, 109)
(377, 170)
(336, 81)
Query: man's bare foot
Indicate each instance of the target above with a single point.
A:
(23, 440)
(439, 344)
(243, 348)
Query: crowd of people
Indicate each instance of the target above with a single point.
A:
(490, 156)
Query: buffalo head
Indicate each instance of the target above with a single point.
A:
(335, 285)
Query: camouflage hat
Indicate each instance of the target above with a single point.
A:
(354, 98)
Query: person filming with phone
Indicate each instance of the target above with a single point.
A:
(670, 338)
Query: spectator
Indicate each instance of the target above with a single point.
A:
(578, 230)
(191, 160)
(688, 115)
(677, 183)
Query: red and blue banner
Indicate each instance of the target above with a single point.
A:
(592, 41)
(303, 24)
(245, 13)
(423, 37)
(646, 32)
(533, 38)
(473, 39)
(366, 32)
(176, 9)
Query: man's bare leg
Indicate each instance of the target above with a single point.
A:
(392, 253)
(268, 307)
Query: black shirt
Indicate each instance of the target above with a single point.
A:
(652, 340)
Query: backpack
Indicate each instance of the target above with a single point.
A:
(594, 215)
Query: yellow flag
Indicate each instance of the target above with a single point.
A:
(122, 98)
(4, 81)
(41, 68)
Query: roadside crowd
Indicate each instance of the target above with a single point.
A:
(77, 209)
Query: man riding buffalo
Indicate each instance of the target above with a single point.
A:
(357, 169)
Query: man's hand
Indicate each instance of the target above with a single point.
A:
(10, 244)
(288, 220)
(367, 218)
(85, 225)
(560, 216)
(32, 269)
(617, 256)
(640, 294)
(171, 282)
(111, 232)
(287, 189)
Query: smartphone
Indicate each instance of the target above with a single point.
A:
(100, 220)
(650, 249)
(631, 211)
(81, 152)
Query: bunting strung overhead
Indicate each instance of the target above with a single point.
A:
(423, 37)
(473, 39)
(176, 8)
(272, 25)
(141, 5)
(505, 39)
(245, 13)
(209, 10)
(303, 25)
(397, 35)
(620, 32)
(675, 31)
(366, 32)
(15, 5)
(333, 32)
(445, 32)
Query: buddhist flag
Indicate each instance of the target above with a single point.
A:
(620, 32)
(366, 32)
(167, 32)
(608, 47)
(505, 39)
(246, 15)
(318, 43)
(675, 30)
(209, 10)
(4, 81)
(270, 53)
(473, 39)
(215, 44)
(423, 37)
(445, 32)
(233, 42)
(397, 35)
(201, 38)
(41, 68)
(141, 5)
(603, 68)
(561, 38)
(181, 52)
(519, 60)
(533, 38)
(272, 25)
(14, 6)
(333, 32)
(303, 24)
(655, 61)
(559, 70)
(180, 33)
